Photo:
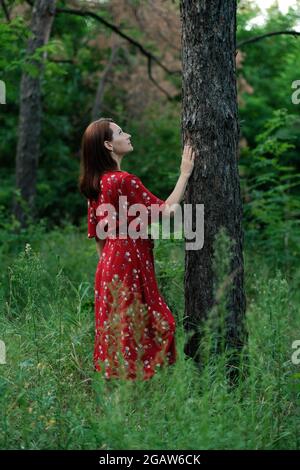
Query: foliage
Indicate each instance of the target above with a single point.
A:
(271, 188)
(49, 394)
(51, 398)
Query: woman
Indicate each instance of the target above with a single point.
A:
(134, 327)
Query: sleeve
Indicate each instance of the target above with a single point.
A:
(91, 220)
(137, 193)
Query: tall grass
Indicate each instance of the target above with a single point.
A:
(51, 398)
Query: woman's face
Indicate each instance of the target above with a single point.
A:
(120, 143)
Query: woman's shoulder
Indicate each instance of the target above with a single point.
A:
(131, 176)
(130, 181)
(114, 173)
(113, 176)
(114, 180)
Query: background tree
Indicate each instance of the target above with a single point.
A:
(30, 110)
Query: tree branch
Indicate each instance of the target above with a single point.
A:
(96, 111)
(150, 57)
(266, 35)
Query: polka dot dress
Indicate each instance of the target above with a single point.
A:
(134, 327)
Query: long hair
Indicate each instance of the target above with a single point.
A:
(95, 158)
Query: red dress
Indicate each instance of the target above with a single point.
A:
(134, 327)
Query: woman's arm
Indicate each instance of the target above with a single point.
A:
(186, 168)
(99, 246)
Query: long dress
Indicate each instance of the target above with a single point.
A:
(134, 327)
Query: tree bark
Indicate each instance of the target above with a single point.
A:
(30, 114)
(210, 117)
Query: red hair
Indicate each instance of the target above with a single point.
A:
(95, 157)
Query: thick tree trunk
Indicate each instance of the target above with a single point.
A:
(210, 116)
(30, 113)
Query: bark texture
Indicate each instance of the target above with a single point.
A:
(30, 114)
(210, 117)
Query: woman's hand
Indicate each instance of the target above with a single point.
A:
(188, 159)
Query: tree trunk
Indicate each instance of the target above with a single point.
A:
(210, 117)
(28, 146)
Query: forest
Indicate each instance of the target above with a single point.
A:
(124, 59)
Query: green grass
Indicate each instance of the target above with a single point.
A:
(50, 397)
